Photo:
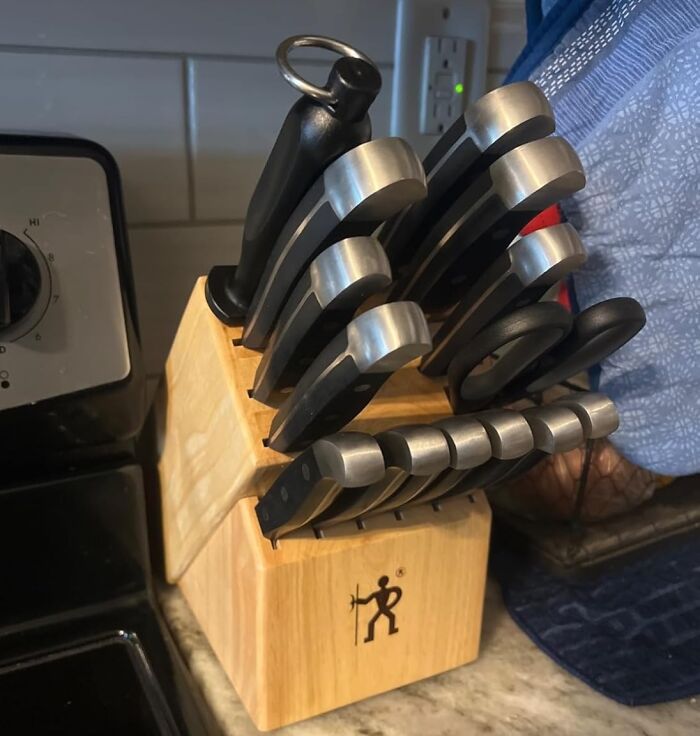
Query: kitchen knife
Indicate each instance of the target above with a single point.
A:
(312, 480)
(352, 197)
(412, 455)
(511, 438)
(595, 412)
(520, 338)
(496, 123)
(323, 302)
(323, 123)
(519, 276)
(554, 429)
(470, 447)
(349, 372)
(486, 218)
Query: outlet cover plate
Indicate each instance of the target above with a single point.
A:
(418, 20)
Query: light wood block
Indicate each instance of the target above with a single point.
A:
(281, 623)
(211, 449)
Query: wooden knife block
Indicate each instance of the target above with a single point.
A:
(279, 619)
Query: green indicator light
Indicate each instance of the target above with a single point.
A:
(459, 88)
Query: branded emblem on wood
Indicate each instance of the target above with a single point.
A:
(385, 598)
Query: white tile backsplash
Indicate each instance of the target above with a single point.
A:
(187, 98)
(237, 109)
(133, 107)
(222, 27)
(166, 263)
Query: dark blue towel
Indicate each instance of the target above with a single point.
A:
(631, 631)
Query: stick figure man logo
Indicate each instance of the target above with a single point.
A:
(386, 598)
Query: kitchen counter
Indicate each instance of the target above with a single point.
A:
(513, 688)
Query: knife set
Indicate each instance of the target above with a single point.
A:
(307, 459)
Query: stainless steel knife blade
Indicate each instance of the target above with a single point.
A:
(354, 195)
(311, 481)
(349, 372)
(336, 283)
(520, 276)
(496, 123)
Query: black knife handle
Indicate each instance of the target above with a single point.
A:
(597, 332)
(312, 136)
(528, 332)
(311, 482)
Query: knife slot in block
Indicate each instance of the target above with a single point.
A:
(316, 624)
(213, 434)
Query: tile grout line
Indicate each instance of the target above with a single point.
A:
(145, 54)
(190, 127)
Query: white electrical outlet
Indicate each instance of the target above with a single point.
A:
(467, 21)
(445, 67)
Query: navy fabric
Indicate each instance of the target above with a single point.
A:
(544, 32)
(631, 632)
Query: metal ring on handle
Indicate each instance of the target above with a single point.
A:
(321, 42)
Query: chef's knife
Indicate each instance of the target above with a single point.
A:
(484, 220)
(496, 123)
(412, 455)
(520, 276)
(470, 447)
(323, 123)
(349, 372)
(352, 197)
(323, 302)
(311, 482)
(520, 337)
(511, 437)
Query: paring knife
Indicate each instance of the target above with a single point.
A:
(470, 447)
(486, 218)
(412, 454)
(521, 337)
(312, 481)
(323, 123)
(496, 123)
(520, 276)
(511, 437)
(336, 283)
(352, 197)
(596, 414)
(349, 372)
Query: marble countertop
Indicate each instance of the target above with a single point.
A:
(513, 688)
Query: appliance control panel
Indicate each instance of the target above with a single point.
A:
(62, 324)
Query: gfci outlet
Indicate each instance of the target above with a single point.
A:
(445, 66)
(440, 59)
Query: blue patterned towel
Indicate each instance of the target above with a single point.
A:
(624, 82)
(632, 631)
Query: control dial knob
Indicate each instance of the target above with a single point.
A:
(20, 280)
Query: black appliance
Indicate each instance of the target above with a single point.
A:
(83, 647)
